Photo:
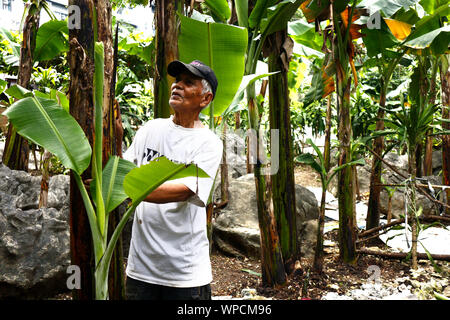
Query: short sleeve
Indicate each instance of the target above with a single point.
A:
(131, 154)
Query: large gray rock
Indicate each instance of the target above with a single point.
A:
(236, 229)
(34, 243)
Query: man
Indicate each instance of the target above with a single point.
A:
(169, 250)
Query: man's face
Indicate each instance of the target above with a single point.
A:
(186, 93)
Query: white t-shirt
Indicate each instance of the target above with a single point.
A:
(169, 243)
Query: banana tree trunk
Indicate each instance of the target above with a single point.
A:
(319, 254)
(373, 206)
(283, 182)
(428, 157)
(16, 151)
(445, 99)
(116, 279)
(81, 66)
(347, 232)
(272, 265)
(273, 271)
(166, 36)
(412, 207)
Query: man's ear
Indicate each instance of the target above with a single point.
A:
(206, 99)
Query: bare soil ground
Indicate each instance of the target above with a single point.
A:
(230, 279)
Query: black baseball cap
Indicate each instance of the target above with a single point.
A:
(197, 68)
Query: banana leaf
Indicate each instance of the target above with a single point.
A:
(3, 85)
(388, 7)
(305, 34)
(220, 46)
(242, 12)
(259, 11)
(430, 22)
(219, 9)
(14, 46)
(18, 92)
(278, 16)
(51, 40)
(113, 176)
(45, 123)
(56, 95)
(438, 40)
(430, 6)
(246, 81)
(378, 40)
(141, 181)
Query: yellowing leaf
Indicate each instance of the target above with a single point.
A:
(399, 29)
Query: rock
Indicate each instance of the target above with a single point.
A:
(34, 243)
(236, 229)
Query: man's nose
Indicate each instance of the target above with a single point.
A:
(177, 84)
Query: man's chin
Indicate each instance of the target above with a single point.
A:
(174, 102)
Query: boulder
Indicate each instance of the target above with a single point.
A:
(236, 229)
(34, 243)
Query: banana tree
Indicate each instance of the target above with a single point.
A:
(383, 46)
(266, 19)
(431, 38)
(50, 126)
(343, 31)
(428, 42)
(445, 100)
(319, 164)
(16, 148)
(410, 125)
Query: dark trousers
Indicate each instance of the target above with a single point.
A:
(139, 290)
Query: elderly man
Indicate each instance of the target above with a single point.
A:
(169, 251)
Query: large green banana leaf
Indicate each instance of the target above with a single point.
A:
(430, 22)
(51, 40)
(305, 35)
(430, 6)
(45, 123)
(242, 12)
(278, 16)
(220, 46)
(259, 11)
(112, 179)
(141, 181)
(56, 95)
(378, 40)
(219, 9)
(438, 40)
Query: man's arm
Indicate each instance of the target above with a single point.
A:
(169, 192)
